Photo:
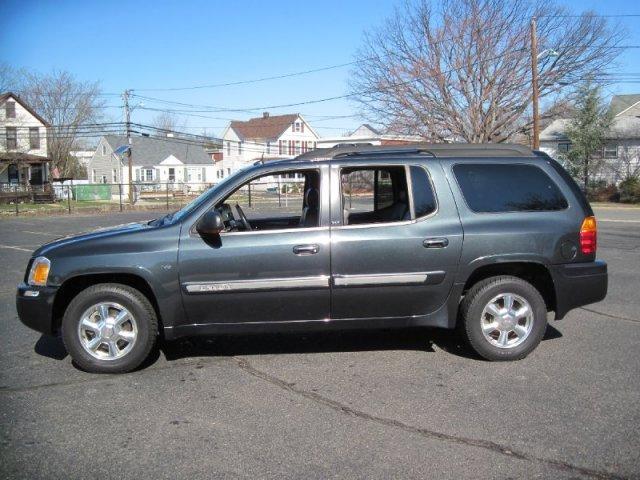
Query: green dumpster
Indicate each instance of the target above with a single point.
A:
(91, 192)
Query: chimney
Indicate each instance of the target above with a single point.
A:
(265, 114)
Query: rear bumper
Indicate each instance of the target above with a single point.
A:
(578, 284)
(36, 312)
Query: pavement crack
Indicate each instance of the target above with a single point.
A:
(617, 317)
(246, 366)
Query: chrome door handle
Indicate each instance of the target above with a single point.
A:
(306, 249)
(435, 243)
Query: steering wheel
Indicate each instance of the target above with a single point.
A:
(243, 218)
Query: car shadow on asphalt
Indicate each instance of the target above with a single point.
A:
(421, 340)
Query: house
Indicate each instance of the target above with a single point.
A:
(366, 134)
(621, 152)
(169, 161)
(24, 162)
(83, 156)
(266, 137)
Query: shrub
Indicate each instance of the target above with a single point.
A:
(630, 190)
(601, 192)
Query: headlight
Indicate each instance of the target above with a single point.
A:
(39, 271)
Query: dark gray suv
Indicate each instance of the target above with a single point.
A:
(486, 239)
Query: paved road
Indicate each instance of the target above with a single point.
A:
(359, 405)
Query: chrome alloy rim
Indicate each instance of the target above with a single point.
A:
(107, 331)
(506, 320)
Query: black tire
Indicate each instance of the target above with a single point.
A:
(471, 313)
(131, 299)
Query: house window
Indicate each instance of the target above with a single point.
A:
(103, 179)
(228, 171)
(268, 148)
(104, 149)
(610, 151)
(93, 176)
(10, 109)
(290, 147)
(34, 138)
(297, 147)
(564, 147)
(148, 174)
(12, 138)
(172, 174)
(114, 176)
(297, 127)
(281, 147)
(239, 148)
(228, 148)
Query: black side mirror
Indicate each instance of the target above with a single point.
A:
(210, 224)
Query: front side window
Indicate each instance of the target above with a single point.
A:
(12, 138)
(269, 204)
(374, 195)
(34, 138)
(491, 188)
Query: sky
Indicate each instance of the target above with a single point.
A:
(146, 45)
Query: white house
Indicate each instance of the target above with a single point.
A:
(365, 134)
(622, 149)
(23, 143)
(266, 137)
(170, 161)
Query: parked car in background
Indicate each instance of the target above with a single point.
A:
(488, 239)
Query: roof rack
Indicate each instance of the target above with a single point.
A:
(439, 150)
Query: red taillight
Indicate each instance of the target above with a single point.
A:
(588, 236)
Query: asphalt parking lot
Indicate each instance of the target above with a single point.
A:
(358, 405)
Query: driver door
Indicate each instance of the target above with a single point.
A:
(278, 271)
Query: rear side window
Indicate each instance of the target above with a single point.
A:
(508, 188)
(424, 200)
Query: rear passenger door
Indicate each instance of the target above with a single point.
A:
(395, 239)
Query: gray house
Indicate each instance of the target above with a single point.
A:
(171, 161)
(622, 149)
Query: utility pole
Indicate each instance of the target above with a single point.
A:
(534, 85)
(127, 121)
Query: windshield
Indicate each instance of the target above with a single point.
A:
(196, 202)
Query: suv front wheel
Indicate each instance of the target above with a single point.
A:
(109, 328)
(503, 318)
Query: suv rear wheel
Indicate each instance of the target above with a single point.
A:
(109, 328)
(503, 318)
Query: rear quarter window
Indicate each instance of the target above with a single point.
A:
(492, 188)
(424, 199)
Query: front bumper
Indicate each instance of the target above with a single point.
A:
(36, 312)
(578, 284)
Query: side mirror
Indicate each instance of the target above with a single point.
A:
(210, 224)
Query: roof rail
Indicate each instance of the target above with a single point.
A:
(439, 150)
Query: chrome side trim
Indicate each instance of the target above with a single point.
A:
(320, 281)
(416, 278)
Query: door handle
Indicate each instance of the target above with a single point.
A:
(306, 249)
(435, 243)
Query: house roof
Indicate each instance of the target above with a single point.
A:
(620, 103)
(622, 127)
(149, 151)
(22, 157)
(7, 95)
(265, 127)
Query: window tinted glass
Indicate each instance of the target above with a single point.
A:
(424, 200)
(508, 188)
(374, 195)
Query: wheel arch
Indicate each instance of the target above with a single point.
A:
(534, 272)
(74, 285)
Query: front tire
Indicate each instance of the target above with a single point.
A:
(109, 328)
(503, 318)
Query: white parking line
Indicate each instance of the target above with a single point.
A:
(16, 248)
(616, 220)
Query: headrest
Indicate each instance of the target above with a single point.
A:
(312, 198)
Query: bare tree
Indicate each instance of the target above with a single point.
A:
(167, 122)
(70, 106)
(461, 71)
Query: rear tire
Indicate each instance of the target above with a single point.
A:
(109, 328)
(503, 318)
